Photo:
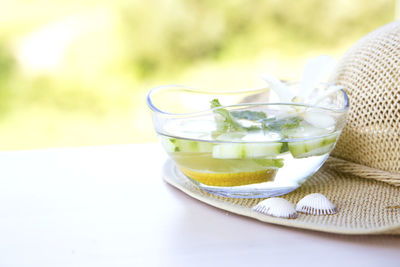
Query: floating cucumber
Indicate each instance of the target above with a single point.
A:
(262, 150)
(304, 131)
(205, 163)
(228, 151)
(319, 119)
(240, 151)
(167, 144)
(301, 151)
(270, 163)
(183, 145)
(314, 147)
(233, 136)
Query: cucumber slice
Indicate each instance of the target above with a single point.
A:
(205, 163)
(205, 147)
(240, 151)
(185, 145)
(167, 144)
(262, 150)
(182, 145)
(284, 148)
(234, 136)
(303, 152)
(304, 131)
(228, 151)
(314, 147)
(319, 119)
(270, 163)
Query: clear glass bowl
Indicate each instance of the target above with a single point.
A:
(250, 147)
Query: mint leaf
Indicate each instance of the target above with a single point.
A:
(215, 103)
(226, 122)
(249, 115)
(253, 128)
(279, 125)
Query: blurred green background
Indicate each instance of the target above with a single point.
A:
(76, 73)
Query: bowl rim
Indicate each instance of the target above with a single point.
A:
(188, 89)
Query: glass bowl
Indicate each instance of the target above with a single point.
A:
(249, 147)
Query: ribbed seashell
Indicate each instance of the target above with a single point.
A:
(316, 204)
(276, 207)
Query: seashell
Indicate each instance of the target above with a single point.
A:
(276, 207)
(316, 204)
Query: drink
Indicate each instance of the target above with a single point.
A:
(239, 163)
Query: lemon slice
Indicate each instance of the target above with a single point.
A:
(230, 179)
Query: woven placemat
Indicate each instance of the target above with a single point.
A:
(365, 206)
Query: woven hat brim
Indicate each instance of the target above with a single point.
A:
(365, 206)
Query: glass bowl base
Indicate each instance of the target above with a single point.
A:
(260, 190)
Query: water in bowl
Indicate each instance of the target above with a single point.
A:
(249, 164)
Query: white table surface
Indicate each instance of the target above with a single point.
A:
(108, 206)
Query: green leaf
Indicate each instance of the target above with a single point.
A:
(279, 125)
(249, 115)
(215, 103)
(225, 122)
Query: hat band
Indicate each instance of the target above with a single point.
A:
(362, 171)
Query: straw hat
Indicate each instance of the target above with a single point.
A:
(363, 174)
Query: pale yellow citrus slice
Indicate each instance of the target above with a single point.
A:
(230, 179)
